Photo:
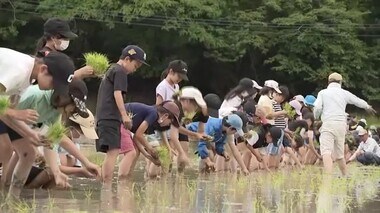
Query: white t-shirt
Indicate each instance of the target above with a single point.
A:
(228, 106)
(370, 146)
(165, 90)
(15, 71)
(266, 103)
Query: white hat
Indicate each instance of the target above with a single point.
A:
(87, 125)
(296, 106)
(193, 93)
(254, 137)
(256, 85)
(361, 131)
(272, 84)
(299, 98)
(364, 121)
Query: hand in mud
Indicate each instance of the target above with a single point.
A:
(155, 161)
(210, 166)
(245, 171)
(61, 180)
(94, 170)
(226, 156)
(152, 152)
(87, 173)
(200, 136)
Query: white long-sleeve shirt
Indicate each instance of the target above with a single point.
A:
(370, 146)
(331, 103)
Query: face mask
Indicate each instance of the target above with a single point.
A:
(64, 45)
(244, 94)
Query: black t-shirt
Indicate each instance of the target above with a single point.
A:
(293, 125)
(200, 117)
(261, 142)
(116, 79)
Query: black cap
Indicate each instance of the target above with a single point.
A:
(179, 67)
(250, 107)
(276, 134)
(213, 103)
(246, 83)
(54, 26)
(134, 52)
(62, 68)
(78, 92)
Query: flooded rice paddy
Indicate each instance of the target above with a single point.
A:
(286, 190)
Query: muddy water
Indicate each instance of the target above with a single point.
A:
(287, 190)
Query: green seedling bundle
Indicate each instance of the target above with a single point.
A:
(290, 111)
(55, 133)
(99, 62)
(5, 103)
(164, 156)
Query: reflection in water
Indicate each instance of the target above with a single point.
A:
(281, 191)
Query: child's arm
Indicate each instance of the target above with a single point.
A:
(191, 134)
(77, 171)
(311, 143)
(236, 154)
(22, 128)
(140, 138)
(51, 160)
(120, 105)
(159, 99)
(255, 152)
(70, 147)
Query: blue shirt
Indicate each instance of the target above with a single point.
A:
(214, 128)
(141, 112)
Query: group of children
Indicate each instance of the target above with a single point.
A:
(235, 134)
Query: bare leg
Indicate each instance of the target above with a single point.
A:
(27, 155)
(11, 167)
(6, 151)
(125, 165)
(109, 166)
(327, 163)
(342, 166)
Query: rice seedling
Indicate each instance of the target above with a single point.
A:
(99, 62)
(164, 157)
(88, 193)
(5, 103)
(20, 206)
(96, 158)
(290, 111)
(188, 117)
(55, 133)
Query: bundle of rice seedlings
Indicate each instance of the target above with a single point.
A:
(55, 133)
(209, 138)
(290, 111)
(188, 117)
(5, 103)
(164, 156)
(99, 62)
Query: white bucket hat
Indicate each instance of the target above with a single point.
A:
(272, 84)
(193, 93)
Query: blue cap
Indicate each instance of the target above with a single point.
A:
(309, 100)
(236, 122)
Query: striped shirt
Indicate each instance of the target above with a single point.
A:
(280, 120)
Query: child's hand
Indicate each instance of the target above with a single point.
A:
(245, 171)
(226, 156)
(61, 180)
(93, 169)
(127, 122)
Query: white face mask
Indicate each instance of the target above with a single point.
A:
(64, 45)
(244, 94)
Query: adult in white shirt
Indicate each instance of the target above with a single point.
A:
(368, 151)
(235, 98)
(330, 107)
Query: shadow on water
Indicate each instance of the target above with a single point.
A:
(281, 191)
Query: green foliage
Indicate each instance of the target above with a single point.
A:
(295, 41)
(99, 62)
(290, 111)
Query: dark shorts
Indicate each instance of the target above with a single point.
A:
(109, 135)
(13, 135)
(34, 172)
(182, 137)
(286, 142)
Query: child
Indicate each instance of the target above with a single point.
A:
(57, 36)
(18, 73)
(221, 132)
(110, 110)
(235, 98)
(265, 101)
(308, 104)
(213, 103)
(146, 120)
(174, 74)
(50, 109)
